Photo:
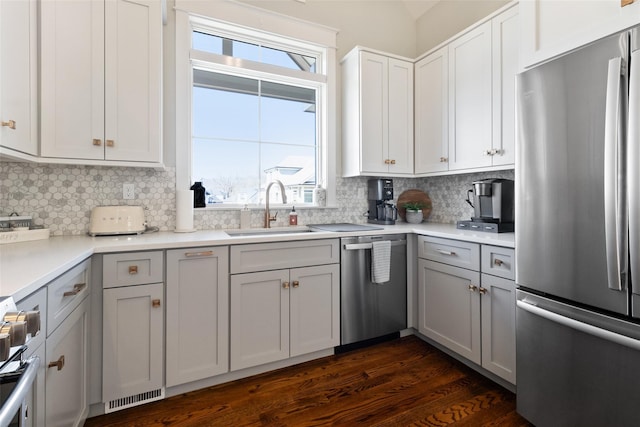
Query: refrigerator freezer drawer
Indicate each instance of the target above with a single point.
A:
(575, 367)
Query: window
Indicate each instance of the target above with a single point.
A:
(258, 112)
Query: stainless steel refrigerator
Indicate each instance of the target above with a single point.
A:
(578, 237)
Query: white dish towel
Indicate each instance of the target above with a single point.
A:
(380, 261)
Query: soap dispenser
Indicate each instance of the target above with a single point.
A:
(293, 216)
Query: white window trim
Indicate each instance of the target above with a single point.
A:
(189, 14)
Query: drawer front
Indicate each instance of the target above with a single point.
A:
(65, 293)
(498, 261)
(274, 256)
(132, 268)
(37, 301)
(452, 252)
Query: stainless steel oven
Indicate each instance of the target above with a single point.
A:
(17, 373)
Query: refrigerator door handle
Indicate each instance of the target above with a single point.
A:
(633, 167)
(580, 326)
(614, 198)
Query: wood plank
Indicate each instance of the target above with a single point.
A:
(400, 382)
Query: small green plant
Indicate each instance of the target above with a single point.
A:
(413, 206)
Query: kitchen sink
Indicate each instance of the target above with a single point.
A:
(267, 231)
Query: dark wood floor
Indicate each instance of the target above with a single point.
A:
(397, 383)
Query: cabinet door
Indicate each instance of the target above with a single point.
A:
(400, 115)
(498, 326)
(133, 70)
(431, 122)
(315, 308)
(506, 36)
(18, 73)
(374, 114)
(66, 377)
(550, 28)
(470, 99)
(132, 341)
(197, 314)
(259, 318)
(72, 79)
(449, 307)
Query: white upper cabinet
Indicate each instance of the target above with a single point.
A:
(465, 100)
(101, 81)
(377, 114)
(432, 112)
(18, 77)
(470, 99)
(505, 38)
(551, 27)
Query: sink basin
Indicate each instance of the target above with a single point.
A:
(267, 231)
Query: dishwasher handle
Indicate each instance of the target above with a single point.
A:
(359, 246)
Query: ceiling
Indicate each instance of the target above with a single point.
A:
(418, 7)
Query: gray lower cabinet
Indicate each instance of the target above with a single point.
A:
(464, 309)
(132, 329)
(197, 313)
(66, 378)
(66, 348)
(277, 312)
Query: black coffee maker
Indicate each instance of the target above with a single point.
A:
(492, 201)
(381, 207)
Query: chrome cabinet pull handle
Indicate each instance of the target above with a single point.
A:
(76, 290)
(194, 254)
(498, 262)
(57, 364)
(443, 252)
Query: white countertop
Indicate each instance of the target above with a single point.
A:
(27, 266)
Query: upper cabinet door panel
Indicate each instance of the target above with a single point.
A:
(133, 80)
(550, 27)
(431, 115)
(72, 79)
(374, 94)
(18, 74)
(400, 110)
(470, 99)
(506, 33)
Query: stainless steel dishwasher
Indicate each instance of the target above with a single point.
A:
(371, 310)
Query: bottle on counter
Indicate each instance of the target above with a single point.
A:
(245, 217)
(319, 196)
(293, 216)
(199, 195)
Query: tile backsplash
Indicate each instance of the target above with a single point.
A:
(60, 197)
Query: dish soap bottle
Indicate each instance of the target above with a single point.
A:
(319, 196)
(199, 195)
(293, 216)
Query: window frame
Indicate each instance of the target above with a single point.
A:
(289, 37)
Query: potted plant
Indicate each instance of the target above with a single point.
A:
(413, 212)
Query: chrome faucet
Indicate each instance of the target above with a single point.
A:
(267, 217)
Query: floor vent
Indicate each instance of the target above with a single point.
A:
(135, 400)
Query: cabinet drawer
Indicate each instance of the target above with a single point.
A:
(274, 256)
(132, 268)
(65, 293)
(37, 301)
(452, 252)
(498, 261)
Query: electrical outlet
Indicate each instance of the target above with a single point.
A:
(128, 191)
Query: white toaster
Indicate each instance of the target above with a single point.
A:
(113, 220)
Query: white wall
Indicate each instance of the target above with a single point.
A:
(449, 17)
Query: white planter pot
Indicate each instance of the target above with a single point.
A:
(413, 217)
